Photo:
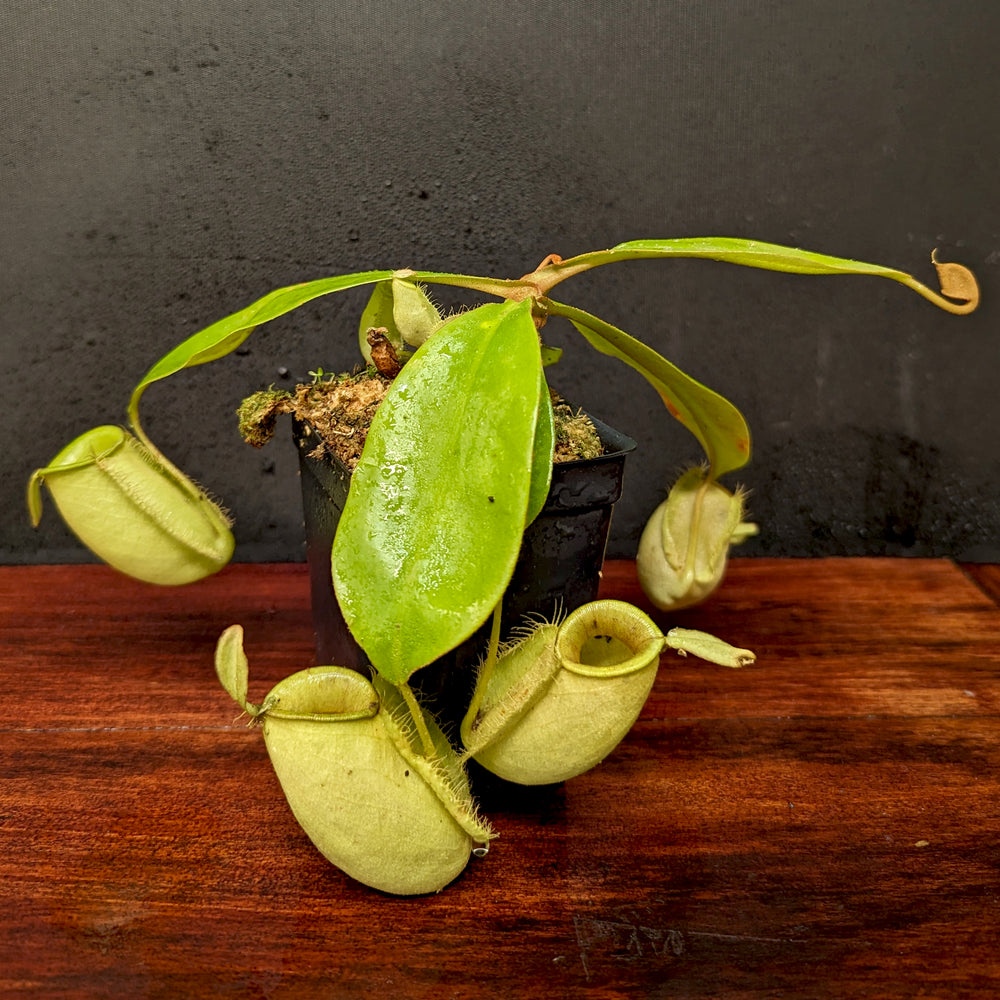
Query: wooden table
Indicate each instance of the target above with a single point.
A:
(823, 824)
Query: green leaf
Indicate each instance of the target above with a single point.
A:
(550, 355)
(713, 420)
(958, 284)
(227, 334)
(750, 253)
(544, 448)
(436, 511)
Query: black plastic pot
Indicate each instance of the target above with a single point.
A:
(558, 568)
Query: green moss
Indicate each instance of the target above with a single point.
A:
(576, 436)
(258, 413)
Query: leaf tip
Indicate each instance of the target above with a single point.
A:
(957, 282)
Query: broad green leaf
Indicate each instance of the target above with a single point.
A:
(433, 522)
(713, 420)
(545, 442)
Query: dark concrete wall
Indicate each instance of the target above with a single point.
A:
(165, 163)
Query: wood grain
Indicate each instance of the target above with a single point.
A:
(823, 824)
(986, 576)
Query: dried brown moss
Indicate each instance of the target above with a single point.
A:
(340, 411)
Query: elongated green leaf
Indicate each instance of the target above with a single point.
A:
(433, 522)
(750, 253)
(227, 334)
(224, 336)
(713, 420)
(957, 282)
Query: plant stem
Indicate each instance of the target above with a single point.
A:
(502, 288)
(486, 671)
(955, 308)
(185, 484)
(417, 714)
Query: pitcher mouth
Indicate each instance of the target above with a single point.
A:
(608, 639)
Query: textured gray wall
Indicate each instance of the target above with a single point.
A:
(165, 163)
